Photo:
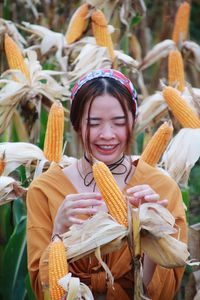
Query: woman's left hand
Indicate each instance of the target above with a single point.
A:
(144, 193)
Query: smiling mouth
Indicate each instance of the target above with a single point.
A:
(106, 147)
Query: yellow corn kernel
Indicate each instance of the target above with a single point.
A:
(157, 144)
(111, 193)
(180, 109)
(58, 268)
(14, 57)
(53, 142)
(176, 70)
(77, 24)
(180, 31)
(101, 32)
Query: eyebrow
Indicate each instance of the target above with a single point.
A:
(97, 119)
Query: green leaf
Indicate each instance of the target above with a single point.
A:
(19, 210)
(186, 200)
(15, 264)
(135, 20)
(30, 294)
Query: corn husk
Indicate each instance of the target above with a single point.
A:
(41, 84)
(167, 251)
(49, 38)
(192, 52)
(75, 289)
(160, 50)
(181, 154)
(91, 57)
(7, 26)
(150, 110)
(157, 224)
(19, 153)
(10, 189)
(101, 229)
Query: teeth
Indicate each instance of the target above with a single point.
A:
(106, 147)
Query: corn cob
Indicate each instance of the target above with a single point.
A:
(180, 31)
(180, 109)
(111, 193)
(77, 24)
(14, 57)
(157, 144)
(101, 32)
(2, 163)
(176, 69)
(58, 268)
(53, 142)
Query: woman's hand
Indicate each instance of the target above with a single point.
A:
(73, 206)
(143, 193)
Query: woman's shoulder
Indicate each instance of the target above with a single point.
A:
(147, 173)
(52, 175)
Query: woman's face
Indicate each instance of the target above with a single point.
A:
(107, 126)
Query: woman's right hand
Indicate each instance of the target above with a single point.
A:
(73, 206)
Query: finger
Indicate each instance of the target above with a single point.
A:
(137, 188)
(163, 202)
(84, 211)
(143, 193)
(85, 203)
(74, 220)
(152, 197)
(73, 197)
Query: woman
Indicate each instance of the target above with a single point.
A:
(103, 113)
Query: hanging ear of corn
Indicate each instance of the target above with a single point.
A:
(57, 268)
(180, 31)
(77, 24)
(111, 193)
(14, 57)
(53, 142)
(101, 32)
(157, 144)
(180, 109)
(176, 69)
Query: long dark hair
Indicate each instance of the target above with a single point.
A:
(92, 89)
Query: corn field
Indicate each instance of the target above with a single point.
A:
(45, 47)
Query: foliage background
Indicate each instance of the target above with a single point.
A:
(55, 14)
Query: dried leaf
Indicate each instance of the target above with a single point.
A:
(9, 189)
(181, 154)
(160, 50)
(151, 107)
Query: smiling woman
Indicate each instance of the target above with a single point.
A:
(103, 112)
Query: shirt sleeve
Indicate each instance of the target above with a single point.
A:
(165, 282)
(39, 230)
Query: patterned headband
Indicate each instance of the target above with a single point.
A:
(110, 73)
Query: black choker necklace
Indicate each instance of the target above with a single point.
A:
(88, 179)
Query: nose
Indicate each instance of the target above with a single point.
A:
(107, 132)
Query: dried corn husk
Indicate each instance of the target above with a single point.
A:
(84, 239)
(9, 189)
(126, 60)
(160, 50)
(181, 154)
(75, 289)
(192, 52)
(7, 26)
(18, 154)
(156, 224)
(166, 251)
(151, 108)
(91, 57)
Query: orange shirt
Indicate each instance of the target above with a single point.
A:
(46, 194)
